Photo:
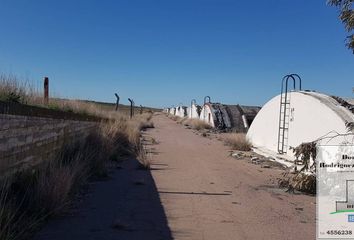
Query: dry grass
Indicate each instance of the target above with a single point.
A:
(13, 90)
(238, 141)
(196, 124)
(16, 90)
(173, 117)
(191, 122)
(181, 120)
(143, 158)
(34, 195)
(143, 121)
(300, 182)
(31, 196)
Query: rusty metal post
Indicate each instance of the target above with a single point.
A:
(46, 90)
(117, 103)
(131, 107)
(141, 109)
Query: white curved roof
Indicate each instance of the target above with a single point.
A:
(349, 100)
(333, 104)
(311, 116)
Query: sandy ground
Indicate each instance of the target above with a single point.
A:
(194, 190)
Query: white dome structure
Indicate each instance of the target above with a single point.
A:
(308, 117)
(181, 111)
(172, 111)
(194, 111)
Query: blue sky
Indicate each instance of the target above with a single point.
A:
(169, 51)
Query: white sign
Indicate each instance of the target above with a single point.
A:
(335, 192)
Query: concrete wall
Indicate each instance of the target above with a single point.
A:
(28, 140)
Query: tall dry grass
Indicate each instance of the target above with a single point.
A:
(29, 197)
(196, 124)
(238, 141)
(173, 117)
(193, 123)
(13, 89)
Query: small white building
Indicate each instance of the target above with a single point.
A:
(228, 117)
(181, 111)
(308, 116)
(207, 115)
(193, 111)
(172, 111)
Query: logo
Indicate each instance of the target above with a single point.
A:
(351, 218)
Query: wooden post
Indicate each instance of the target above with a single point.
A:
(46, 90)
(141, 109)
(131, 107)
(117, 103)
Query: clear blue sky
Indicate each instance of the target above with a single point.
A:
(170, 51)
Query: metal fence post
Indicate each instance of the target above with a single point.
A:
(46, 90)
(131, 107)
(117, 102)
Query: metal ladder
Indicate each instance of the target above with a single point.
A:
(283, 132)
(205, 101)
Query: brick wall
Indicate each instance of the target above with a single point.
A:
(28, 140)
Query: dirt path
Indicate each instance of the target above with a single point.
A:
(194, 191)
(208, 195)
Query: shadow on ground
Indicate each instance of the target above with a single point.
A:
(127, 206)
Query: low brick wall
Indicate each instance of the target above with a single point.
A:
(26, 141)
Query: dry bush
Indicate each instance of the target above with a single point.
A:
(143, 158)
(196, 124)
(76, 106)
(173, 117)
(238, 141)
(14, 90)
(181, 120)
(143, 121)
(304, 153)
(31, 196)
(300, 181)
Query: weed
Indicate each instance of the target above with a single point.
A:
(238, 141)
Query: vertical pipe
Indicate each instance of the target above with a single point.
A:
(46, 90)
